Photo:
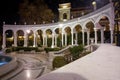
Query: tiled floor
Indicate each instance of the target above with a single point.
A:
(33, 66)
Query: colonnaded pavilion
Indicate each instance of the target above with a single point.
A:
(97, 25)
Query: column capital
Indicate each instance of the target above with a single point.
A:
(88, 30)
(95, 29)
(83, 30)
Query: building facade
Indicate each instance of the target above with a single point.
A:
(86, 24)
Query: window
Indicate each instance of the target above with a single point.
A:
(64, 16)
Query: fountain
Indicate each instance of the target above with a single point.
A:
(7, 64)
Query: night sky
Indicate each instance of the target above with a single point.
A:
(9, 8)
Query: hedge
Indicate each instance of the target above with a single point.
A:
(59, 61)
(51, 49)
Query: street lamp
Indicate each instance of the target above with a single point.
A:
(94, 5)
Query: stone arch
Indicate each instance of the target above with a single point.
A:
(49, 37)
(104, 23)
(89, 20)
(67, 30)
(57, 31)
(20, 37)
(77, 29)
(90, 30)
(99, 17)
(9, 37)
(90, 26)
(30, 36)
(39, 37)
(58, 36)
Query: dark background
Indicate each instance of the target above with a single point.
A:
(9, 8)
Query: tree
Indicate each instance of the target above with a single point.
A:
(35, 11)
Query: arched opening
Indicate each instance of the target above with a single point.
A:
(58, 35)
(90, 29)
(104, 22)
(9, 38)
(39, 38)
(68, 32)
(78, 34)
(30, 38)
(20, 38)
(49, 37)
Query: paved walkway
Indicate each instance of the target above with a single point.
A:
(102, 64)
(34, 65)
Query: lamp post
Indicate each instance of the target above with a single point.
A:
(94, 5)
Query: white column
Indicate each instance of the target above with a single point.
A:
(95, 30)
(4, 40)
(15, 39)
(76, 35)
(52, 40)
(56, 40)
(62, 39)
(46, 40)
(72, 36)
(102, 35)
(36, 40)
(43, 40)
(25, 39)
(111, 33)
(83, 37)
(34, 44)
(88, 37)
(65, 39)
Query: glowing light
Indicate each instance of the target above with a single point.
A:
(52, 46)
(28, 31)
(93, 3)
(60, 25)
(28, 75)
(20, 37)
(65, 6)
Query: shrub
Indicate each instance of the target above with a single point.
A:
(8, 50)
(59, 61)
(25, 49)
(75, 51)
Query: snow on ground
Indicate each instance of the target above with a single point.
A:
(102, 64)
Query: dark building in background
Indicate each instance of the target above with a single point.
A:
(117, 21)
(77, 12)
